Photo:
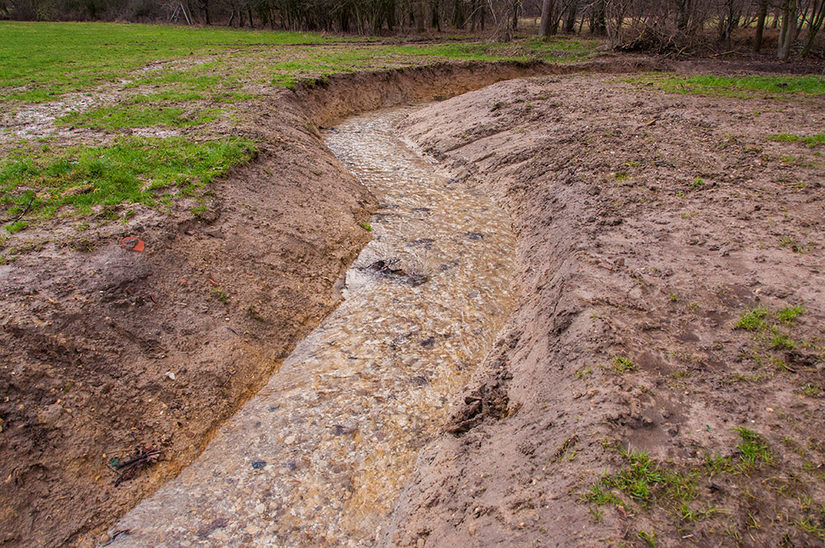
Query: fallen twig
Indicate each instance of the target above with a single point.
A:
(143, 458)
(28, 207)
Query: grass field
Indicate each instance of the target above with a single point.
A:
(105, 81)
(740, 87)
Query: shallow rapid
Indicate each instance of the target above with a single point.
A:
(319, 456)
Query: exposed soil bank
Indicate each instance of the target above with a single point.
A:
(648, 225)
(109, 349)
(105, 349)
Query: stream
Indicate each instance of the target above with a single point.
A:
(321, 453)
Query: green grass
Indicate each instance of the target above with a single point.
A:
(753, 319)
(135, 114)
(41, 61)
(782, 341)
(132, 170)
(623, 364)
(648, 537)
(811, 140)
(744, 86)
(753, 450)
(644, 481)
(717, 464)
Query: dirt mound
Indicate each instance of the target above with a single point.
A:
(662, 378)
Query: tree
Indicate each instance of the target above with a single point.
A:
(788, 30)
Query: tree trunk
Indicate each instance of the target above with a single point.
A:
(546, 15)
(570, 20)
(817, 18)
(419, 15)
(598, 18)
(516, 9)
(788, 31)
(760, 25)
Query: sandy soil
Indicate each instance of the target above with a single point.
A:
(648, 224)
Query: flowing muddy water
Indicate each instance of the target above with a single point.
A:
(319, 456)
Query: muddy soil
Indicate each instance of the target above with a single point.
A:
(648, 223)
(106, 351)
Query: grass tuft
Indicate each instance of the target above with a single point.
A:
(623, 364)
(753, 319)
(753, 450)
(811, 140)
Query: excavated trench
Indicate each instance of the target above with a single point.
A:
(320, 454)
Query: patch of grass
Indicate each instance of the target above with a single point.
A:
(131, 170)
(42, 61)
(645, 481)
(16, 226)
(810, 140)
(753, 450)
(600, 495)
(717, 464)
(781, 341)
(621, 176)
(790, 313)
(698, 183)
(753, 319)
(220, 294)
(686, 513)
(729, 86)
(790, 241)
(135, 114)
(811, 390)
(812, 527)
(312, 65)
(623, 364)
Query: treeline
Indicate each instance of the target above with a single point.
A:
(629, 24)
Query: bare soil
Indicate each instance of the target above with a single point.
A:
(648, 223)
(105, 349)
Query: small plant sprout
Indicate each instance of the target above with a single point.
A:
(648, 537)
(623, 364)
(365, 225)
